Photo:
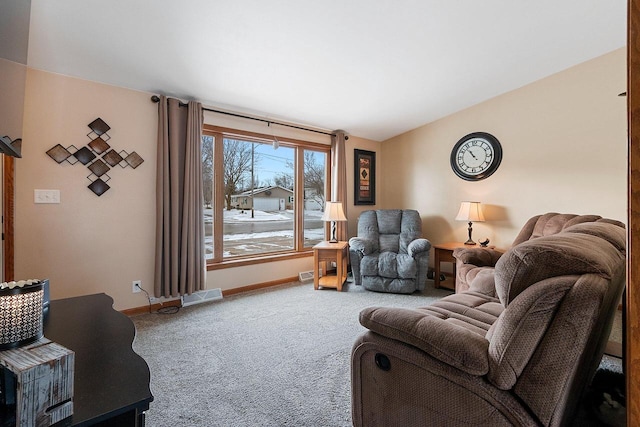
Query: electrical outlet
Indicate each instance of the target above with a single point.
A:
(136, 286)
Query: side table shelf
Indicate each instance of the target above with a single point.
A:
(325, 252)
(443, 252)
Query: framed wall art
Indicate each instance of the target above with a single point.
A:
(365, 177)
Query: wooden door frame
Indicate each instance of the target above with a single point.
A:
(632, 335)
(8, 212)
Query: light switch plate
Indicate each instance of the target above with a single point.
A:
(46, 196)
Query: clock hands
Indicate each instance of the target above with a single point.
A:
(472, 155)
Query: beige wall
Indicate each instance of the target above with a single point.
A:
(88, 244)
(85, 244)
(565, 150)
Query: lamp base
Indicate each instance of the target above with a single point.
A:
(469, 241)
(333, 233)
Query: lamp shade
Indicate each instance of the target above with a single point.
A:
(333, 212)
(470, 211)
(21, 318)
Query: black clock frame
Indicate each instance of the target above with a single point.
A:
(497, 153)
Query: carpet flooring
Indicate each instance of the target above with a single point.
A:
(274, 357)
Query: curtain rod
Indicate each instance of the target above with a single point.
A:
(156, 99)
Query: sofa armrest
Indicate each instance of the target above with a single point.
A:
(363, 246)
(480, 257)
(447, 342)
(418, 246)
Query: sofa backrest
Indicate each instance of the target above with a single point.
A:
(560, 293)
(552, 223)
(392, 229)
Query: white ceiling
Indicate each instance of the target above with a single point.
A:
(375, 68)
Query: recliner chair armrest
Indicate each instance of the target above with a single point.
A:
(418, 246)
(481, 257)
(364, 246)
(447, 342)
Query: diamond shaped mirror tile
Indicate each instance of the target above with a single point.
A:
(98, 168)
(99, 126)
(99, 187)
(58, 153)
(99, 145)
(134, 160)
(84, 155)
(112, 158)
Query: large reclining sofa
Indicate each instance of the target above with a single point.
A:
(519, 354)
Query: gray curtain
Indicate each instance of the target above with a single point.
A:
(180, 255)
(339, 180)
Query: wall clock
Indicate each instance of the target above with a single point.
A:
(476, 156)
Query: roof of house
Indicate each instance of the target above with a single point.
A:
(257, 191)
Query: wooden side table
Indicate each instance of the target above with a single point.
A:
(443, 252)
(325, 252)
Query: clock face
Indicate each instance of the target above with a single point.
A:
(476, 156)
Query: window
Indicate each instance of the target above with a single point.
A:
(261, 198)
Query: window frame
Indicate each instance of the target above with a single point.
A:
(218, 133)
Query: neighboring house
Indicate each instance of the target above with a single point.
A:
(313, 201)
(268, 199)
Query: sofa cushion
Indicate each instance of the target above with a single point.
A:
(386, 284)
(445, 341)
(390, 265)
(555, 255)
(555, 223)
(389, 221)
(603, 229)
(514, 337)
(484, 281)
(389, 243)
(411, 229)
(552, 223)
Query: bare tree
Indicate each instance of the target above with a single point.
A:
(284, 180)
(237, 164)
(207, 169)
(314, 177)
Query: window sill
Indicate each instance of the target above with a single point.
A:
(232, 263)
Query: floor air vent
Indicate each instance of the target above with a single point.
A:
(305, 276)
(201, 296)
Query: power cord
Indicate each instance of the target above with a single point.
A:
(162, 310)
(172, 309)
(147, 294)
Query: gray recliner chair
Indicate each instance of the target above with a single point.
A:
(389, 254)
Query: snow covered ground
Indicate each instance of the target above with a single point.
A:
(239, 243)
(236, 215)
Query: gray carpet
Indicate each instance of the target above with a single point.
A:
(275, 357)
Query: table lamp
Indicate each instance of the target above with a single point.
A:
(333, 212)
(21, 318)
(470, 211)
